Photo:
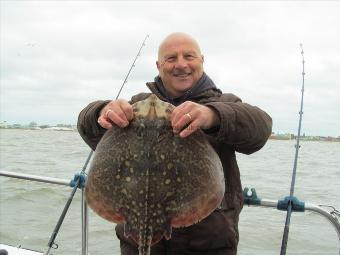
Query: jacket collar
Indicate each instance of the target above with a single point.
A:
(203, 84)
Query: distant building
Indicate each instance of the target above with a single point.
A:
(3, 124)
(281, 136)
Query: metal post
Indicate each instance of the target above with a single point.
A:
(84, 223)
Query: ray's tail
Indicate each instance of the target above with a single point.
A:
(145, 235)
(145, 229)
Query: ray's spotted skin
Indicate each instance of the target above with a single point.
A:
(150, 179)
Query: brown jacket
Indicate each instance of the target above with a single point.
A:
(243, 128)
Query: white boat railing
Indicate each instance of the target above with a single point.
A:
(250, 198)
(63, 182)
(36, 178)
(308, 207)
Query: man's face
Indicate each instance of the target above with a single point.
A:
(180, 65)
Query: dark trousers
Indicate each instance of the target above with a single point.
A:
(128, 249)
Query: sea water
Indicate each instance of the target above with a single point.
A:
(29, 211)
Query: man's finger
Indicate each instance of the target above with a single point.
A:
(117, 118)
(127, 110)
(178, 113)
(183, 121)
(104, 123)
(189, 129)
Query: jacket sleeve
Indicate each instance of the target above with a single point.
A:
(87, 125)
(244, 127)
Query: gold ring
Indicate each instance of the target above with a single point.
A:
(107, 113)
(189, 116)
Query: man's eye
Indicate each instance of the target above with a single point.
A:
(170, 59)
(190, 57)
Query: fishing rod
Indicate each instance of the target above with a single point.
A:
(79, 179)
(297, 147)
(132, 66)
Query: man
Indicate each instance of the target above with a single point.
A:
(229, 124)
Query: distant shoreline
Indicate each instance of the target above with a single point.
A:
(43, 129)
(304, 138)
(280, 137)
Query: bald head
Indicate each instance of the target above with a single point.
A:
(180, 63)
(175, 39)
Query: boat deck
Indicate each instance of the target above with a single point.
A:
(11, 250)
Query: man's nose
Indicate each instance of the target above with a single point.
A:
(181, 62)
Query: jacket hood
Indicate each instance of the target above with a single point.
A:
(203, 84)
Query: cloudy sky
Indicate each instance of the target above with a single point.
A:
(56, 57)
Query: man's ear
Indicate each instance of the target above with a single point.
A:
(202, 58)
(158, 65)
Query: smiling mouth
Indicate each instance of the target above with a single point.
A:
(183, 75)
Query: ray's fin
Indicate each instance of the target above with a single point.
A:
(127, 230)
(168, 230)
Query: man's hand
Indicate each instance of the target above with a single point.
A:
(194, 116)
(117, 112)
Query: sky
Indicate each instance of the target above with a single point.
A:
(56, 57)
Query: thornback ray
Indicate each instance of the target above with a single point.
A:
(150, 179)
